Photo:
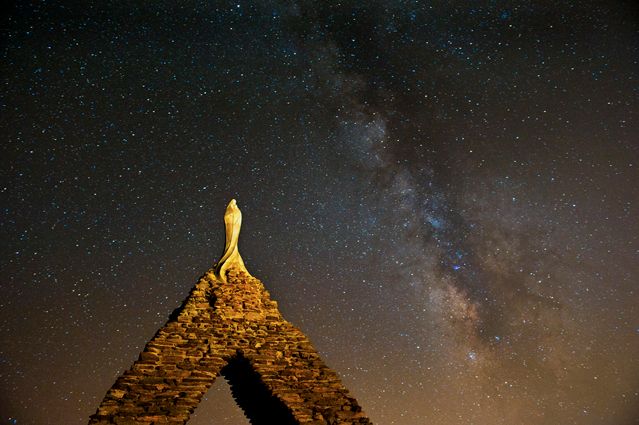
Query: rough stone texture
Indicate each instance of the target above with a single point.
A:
(232, 329)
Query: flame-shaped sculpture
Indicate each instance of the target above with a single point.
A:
(229, 326)
(231, 257)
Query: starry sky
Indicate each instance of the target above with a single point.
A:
(444, 196)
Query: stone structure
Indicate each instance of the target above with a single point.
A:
(229, 326)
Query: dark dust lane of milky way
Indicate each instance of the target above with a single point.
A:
(443, 196)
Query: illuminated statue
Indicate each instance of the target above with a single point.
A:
(229, 326)
(231, 257)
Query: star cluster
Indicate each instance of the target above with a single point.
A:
(443, 196)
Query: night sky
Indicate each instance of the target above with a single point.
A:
(443, 196)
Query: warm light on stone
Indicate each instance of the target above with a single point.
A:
(228, 325)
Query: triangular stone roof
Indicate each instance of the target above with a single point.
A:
(228, 325)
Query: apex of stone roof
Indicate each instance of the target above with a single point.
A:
(229, 326)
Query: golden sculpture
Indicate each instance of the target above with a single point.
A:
(231, 256)
(229, 326)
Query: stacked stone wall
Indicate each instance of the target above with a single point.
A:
(232, 329)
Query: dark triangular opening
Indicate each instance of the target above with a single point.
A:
(218, 407)
(253, 396)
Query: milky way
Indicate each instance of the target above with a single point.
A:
(442, 196)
